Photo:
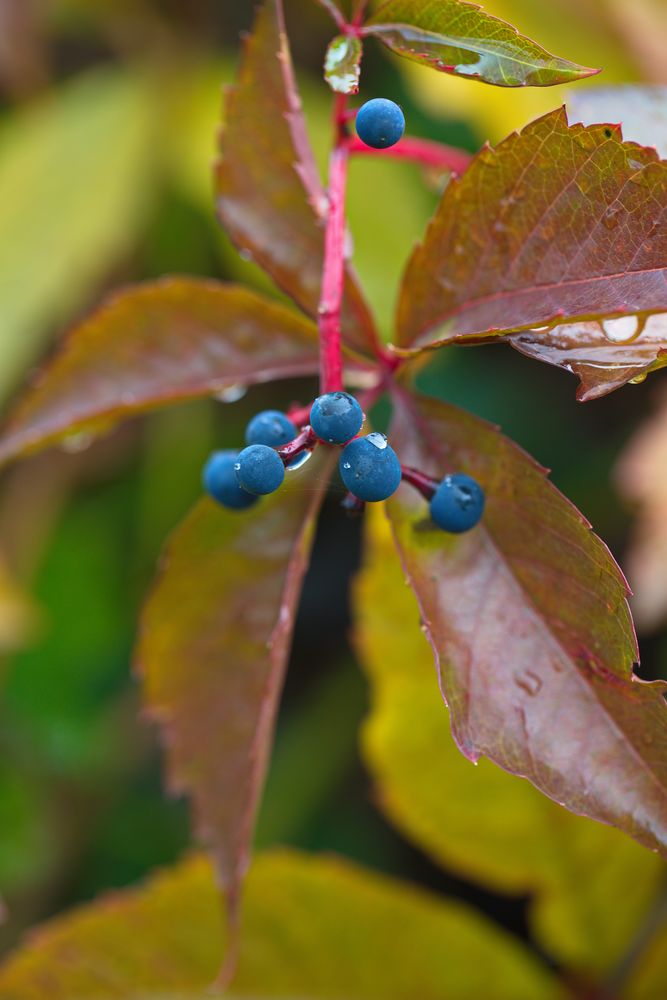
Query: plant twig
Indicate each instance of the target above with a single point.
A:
(422, 151)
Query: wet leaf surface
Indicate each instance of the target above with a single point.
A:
(342, 64)
(214, 642)
(528, 618)
(604, 356)
(163, 941)
(461, 38)
(156, 344)
(269, 196)
(556, 223)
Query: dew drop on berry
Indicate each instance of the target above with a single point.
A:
(377, 440)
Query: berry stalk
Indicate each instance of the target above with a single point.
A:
(423, 151)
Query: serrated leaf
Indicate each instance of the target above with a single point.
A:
(557, 223)
(269, 195)
(214, 642)
(482, 823)
(60, 237)
(342, 64)
(156, 344)
(604, 356)
(640, 109)
(528, 618)
(642, 479)
(460, 38)
(164, 940)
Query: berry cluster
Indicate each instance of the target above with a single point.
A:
(369, 466)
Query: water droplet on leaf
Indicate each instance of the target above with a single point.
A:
(232, 393)
(299, 461)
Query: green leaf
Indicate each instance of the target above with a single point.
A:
(342, 64)
(313, 928)
(556, 224)
(75, 168)
(528, 618)
(604, 356)
(213, 649)
(269, 195)
(460, 38)
(156, 344)
(483, 823)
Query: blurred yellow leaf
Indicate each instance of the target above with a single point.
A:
(313, 927)
(576, 30)
(74, 171)
(479, 821)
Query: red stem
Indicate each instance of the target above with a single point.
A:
(423, 151)
(331, 8)
(331, 359)
(421, 482)
(302, 442)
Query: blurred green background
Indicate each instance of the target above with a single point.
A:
(108, 116)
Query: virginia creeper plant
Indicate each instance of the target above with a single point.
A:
(553, 241)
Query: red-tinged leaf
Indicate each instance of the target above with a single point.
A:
(342, 64)
(557, 223)
(461, 38)
(269, 196)
(156, 344)
(528, 618)
(604, 356)
(641, 110)
(642, 479)
(214, 642)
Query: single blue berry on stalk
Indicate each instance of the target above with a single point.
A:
(370, 468)
(259, 469)
(380, 123)
(458, 503)
(220, 482)
(270, 427)
(336, 417)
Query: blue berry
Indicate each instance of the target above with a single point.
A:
(259, 469)
(380, 123)
(458, 503)
(370, 468)
(220, 482)
(270, 427)
(336, 417)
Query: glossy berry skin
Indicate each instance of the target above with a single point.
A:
(370, 468)
(380, 123)
(270, 427)
(336, 417)
(220, 482)
(458, 503)
(259, 469)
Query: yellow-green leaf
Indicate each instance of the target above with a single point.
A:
(480, 821)
(313, 928)
(74, 172)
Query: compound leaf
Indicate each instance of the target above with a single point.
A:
(164, 941)
(156, 344)
(556, 224)
(481, 822)
(214, 641)
(461, 38)
(269, 195)
(529, 622)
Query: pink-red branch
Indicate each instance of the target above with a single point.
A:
(331, 359)
(422, 151)
(421, 482)
(302, 442)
